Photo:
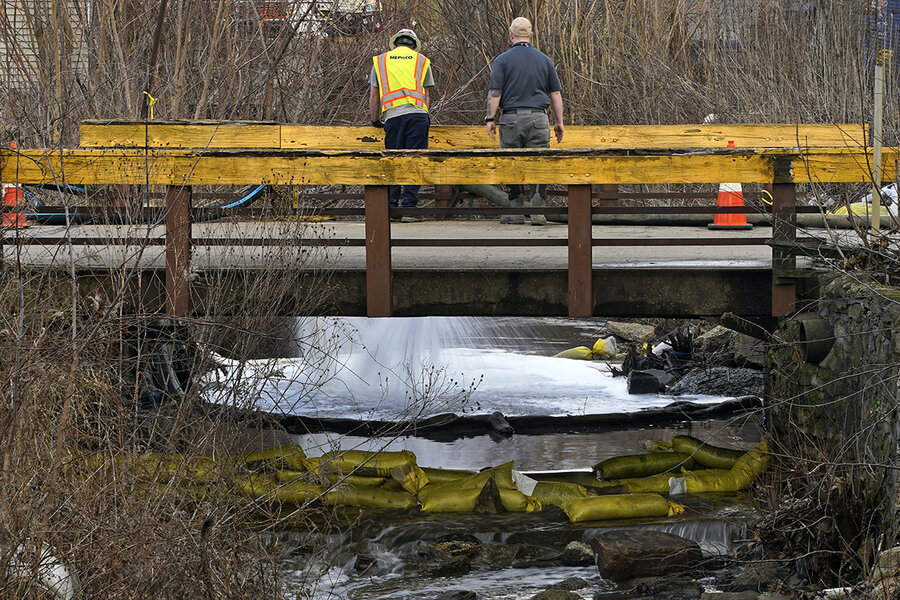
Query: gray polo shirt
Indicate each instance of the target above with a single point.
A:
(403, 109)
(525, 77)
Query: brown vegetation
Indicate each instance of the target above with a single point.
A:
(630, 62)
(68, 388)
(87, 403)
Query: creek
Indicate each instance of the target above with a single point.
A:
(399, 369)
(405, 368)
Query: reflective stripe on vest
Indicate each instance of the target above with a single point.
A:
(401, 75)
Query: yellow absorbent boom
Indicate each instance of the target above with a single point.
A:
(740, 477)
(262, 487)
(460, 495)
(516, 501)
(366, 463)
(289, 457)
(410, 477)
(501, 474)
(706, 454)
(642, 465)
(654, 484)
(285, 476)
(621, 506)
(444, 475)
(369, 497)
(556, 493)
(603, 348)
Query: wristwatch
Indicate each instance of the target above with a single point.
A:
(488, 119)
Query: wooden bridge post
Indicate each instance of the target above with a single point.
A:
(581, 299)
(379, 287)
(442, 194)
(178, 250)
(784, 262)
(611, 191)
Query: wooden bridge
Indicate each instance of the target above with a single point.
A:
(182, 155)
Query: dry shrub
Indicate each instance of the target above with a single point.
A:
(81, 427)
(637, 61)
(65, 392)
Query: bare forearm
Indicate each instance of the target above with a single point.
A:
(374, 108)
(557, 103)
(493, 102)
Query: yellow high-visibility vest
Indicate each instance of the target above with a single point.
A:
(401, 75)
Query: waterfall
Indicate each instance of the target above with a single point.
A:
(401, 368)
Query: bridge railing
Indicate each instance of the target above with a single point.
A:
(182, 156)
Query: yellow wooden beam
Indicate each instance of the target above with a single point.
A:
(175, 135)
(243, 167)
(611, 136)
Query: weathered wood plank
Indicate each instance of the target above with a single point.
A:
(236, 167)
(581, 297)
(178, 251)
(379, 279)
(827, 167)
(609, 136)
(180, 135)
(259, 135)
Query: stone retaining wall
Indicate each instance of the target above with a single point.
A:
(833, 417)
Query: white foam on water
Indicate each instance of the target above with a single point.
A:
(500, 584)
(400, 368)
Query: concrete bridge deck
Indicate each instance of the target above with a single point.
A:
(639, 280)
(280, 234)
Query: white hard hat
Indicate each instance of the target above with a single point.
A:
(407, 33)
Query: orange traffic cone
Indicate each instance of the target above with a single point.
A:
(13, 196)
(730, 194)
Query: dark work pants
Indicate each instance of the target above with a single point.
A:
(406, 132)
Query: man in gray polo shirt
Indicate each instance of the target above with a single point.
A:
(523, 84)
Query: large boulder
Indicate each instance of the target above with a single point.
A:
(632, 332)
(716, 339)
(577, 554)
(626, 554)
(682, 587)
(644, 382)
(750, 351)
(451, 558)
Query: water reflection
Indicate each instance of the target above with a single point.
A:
(539, 452)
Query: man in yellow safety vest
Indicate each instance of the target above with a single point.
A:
(398, 101)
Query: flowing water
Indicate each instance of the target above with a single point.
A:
(397, 369)
(400, 368)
